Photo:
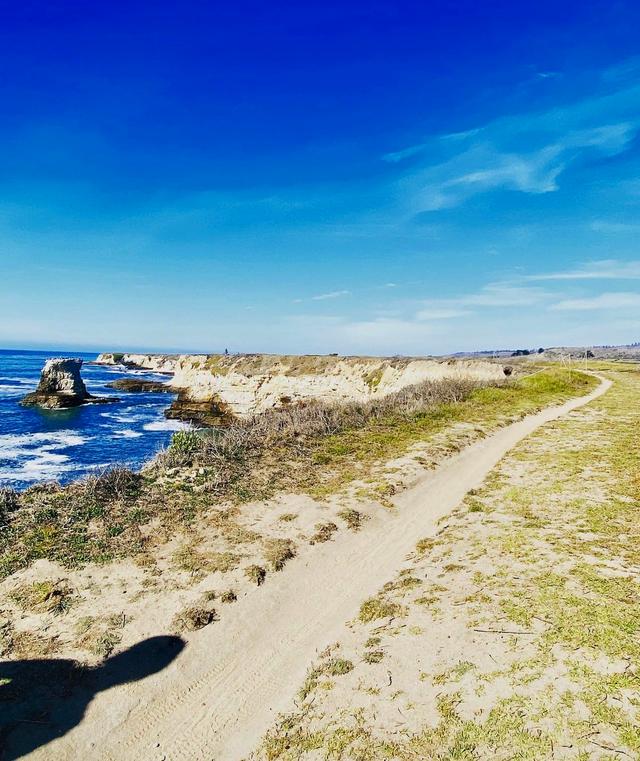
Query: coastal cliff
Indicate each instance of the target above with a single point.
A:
(213, 386)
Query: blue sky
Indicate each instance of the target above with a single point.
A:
(362, 178)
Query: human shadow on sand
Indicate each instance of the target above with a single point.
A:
(41, 700)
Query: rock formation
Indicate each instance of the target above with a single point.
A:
(200, 412)
(139, 386)
(61, 387)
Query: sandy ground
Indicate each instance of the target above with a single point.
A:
(220, 695)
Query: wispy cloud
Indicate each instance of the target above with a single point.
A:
(526, 153)
(492, 295)
(433, 313)
(615, 300)
(604, 269)
(330, 295)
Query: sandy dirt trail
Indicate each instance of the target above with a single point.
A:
(216, 700)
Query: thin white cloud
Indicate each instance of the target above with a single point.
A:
(604, 269)
(484, 167)
(413, 150)
(505, 295)
(615, 300)
(492, 295)
(526, 153)
(330, 295)
(440, 314)
(392, 335)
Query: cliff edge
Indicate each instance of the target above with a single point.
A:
(214, 386)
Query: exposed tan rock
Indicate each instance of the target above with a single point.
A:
(200, 412)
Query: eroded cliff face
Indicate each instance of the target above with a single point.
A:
(215, 385)
(160, 363)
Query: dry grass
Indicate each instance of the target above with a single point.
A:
(327, 668)
(323, 532)
(44, 597)
(352, 518)
(24, 644)
(378, 607)
(307, 420)
(193, 618)
(256, 574)
(189, 558)
(278, 551)
(100, 635)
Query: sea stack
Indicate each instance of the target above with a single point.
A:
(61, 386)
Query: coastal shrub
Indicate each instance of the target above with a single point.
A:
(111, 484)
(314, 447)
(9, 501)
(305, 421)
(184, 444)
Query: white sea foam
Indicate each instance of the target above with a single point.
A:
(127, 433)
(11, 389)
(36, 456)
(166, 425)
(16, 386)
(126, 417)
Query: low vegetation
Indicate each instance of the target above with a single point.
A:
(194, 618)
(314, 448)
(256, 574)
(44, 597)
(277, 552)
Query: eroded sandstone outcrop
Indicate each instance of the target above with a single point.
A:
(140, 386)
(61, 386)
(209, 412)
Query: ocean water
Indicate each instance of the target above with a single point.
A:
(61, 445)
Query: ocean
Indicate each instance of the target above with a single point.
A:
(61, 445)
